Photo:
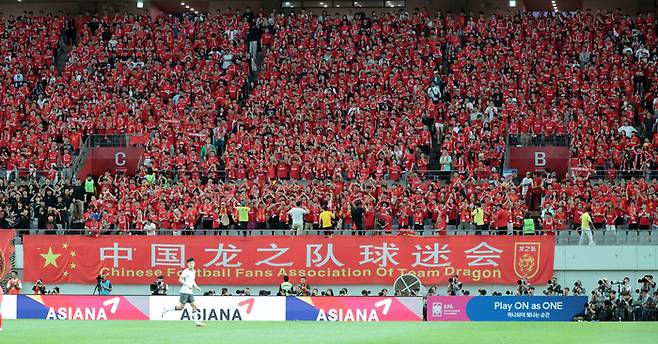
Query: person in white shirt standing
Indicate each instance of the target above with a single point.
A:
(297, 213)
(526, 183)
(150, 227)
(188, 284)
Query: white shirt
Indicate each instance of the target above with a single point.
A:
(627, 130)
(150, 228)
(445, 162)
(434, 92)
(188, 277)
(297, 215)
(525, 185)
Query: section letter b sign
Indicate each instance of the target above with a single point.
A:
(540, 159)
(535, 158)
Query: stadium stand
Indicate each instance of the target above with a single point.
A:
(410, 113)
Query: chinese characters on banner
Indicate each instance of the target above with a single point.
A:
(264, 260)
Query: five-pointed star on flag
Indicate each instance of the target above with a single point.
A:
(72, 265)
(50, 258)
(65, 245)
(66, 273)
(73, 253)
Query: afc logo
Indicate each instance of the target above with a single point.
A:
(437, 309)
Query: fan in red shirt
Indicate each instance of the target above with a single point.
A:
(441, 222)
(610, 218)
(501, 219)
(644, 218)
(548, 224)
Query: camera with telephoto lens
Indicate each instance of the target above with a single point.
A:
(646, 279)
(209, 293)
(482, 292)
(454, 282)
(264, 293)
(522, 287)
(239, 292)
(553, 288)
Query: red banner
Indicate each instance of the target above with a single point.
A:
(265, 260)
(121, 159)
(6, 249)
(530, 159)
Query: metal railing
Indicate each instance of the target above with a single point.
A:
(538, 140)
(571, 236)
(614, 174)
(109, 140)
(79, 160)
(21, 174)
(173, 175)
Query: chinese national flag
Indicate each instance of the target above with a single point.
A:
(139, 139)
(6, 249)
(57, 259)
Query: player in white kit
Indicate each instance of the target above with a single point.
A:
(188, 285)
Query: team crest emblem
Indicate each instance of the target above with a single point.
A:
(3, 264)
(526, 259)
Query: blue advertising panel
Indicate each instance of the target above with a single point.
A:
(504, 308)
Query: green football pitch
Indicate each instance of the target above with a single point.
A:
(43, 331)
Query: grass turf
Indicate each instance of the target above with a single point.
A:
(44, 331)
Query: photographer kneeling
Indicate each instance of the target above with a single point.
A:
(159, 287)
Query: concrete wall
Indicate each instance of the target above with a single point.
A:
(627, 6)
(587, 264)
(487, 6)
(15, 8)
(223, 5)
(71, 6)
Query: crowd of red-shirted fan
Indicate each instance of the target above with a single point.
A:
(401, 117)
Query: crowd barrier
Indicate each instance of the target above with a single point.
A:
(213, 308)
(504, 308)
(281, 308)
